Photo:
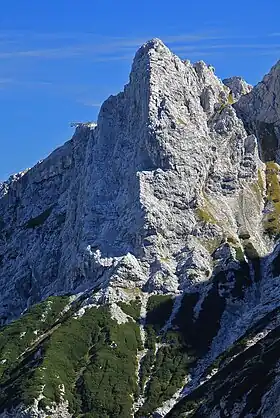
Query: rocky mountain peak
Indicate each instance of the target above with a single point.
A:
(142, 182)
(238, 86)
(150, 240)
(260, 111)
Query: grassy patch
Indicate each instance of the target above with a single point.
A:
(19, 335)
(207, 326)
(239, 254)
(132, 309)
(159, 308)
(230, 99)
(170, 368)
(222, 107)
(249, 374)
(181, 121)
(182, 346)
(204, 215)
(272, 219)
(232, 240)
(146, 367)
(93, 357)
(173, 358)
(261, 182)
(211, 244)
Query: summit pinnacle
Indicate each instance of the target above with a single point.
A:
(139, 262)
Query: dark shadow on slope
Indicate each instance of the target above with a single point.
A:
(250, 374)
(191, 335)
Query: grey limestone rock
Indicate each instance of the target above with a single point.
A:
(164, 195)
(238, 86)
(131, 184)
(260, 111)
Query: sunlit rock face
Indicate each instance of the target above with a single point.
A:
(160, 224)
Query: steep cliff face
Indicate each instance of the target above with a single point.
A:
(260, 111)
(147, 243)
(134, 184)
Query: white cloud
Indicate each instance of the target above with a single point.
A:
(89, 103)
(86, 44)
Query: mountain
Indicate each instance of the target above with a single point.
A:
(140, 263)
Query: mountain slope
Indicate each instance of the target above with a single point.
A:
(143, 250)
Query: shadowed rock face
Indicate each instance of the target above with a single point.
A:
(260, 111)
(159, 223)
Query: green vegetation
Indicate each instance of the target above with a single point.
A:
(164, 259)
(232, 240)
(182, 345)
(207, 326)
(261, 182)
(239, 254)
(146, 367)
(250, 250)
(159, 308)
(211, 244)
(93, 357)
(258, 187)
(272, 220)
(109, 379)
(230, 99)
(234, 243)
(244, 373)
(181, 121)
(132, 309)
(16, 338)
(170, 368)
(40, 219)
(172, 361)
(222, 107)
(204, 215)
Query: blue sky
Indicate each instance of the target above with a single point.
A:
(60, 59)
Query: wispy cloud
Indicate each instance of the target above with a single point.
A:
(85, 44)
(89, 103)
(64, 45)
(76, 91)
(25, 46)
(227, 46)
(271, 51)
(243, 46)
(4, 82)
(8, 82)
